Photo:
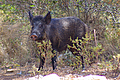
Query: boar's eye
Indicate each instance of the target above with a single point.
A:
(32, 27)
(41, 26)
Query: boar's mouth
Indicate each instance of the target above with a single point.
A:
(38, 39)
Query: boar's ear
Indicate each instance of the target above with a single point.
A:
(47, 18)
(30, 16)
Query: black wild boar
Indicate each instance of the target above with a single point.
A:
(58, 31)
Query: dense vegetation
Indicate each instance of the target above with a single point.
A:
(101, 16)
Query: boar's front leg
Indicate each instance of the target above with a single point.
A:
(54, 61)
(42, 61)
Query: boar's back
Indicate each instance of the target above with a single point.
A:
(61, 29)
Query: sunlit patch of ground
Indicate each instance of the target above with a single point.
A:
(24, 72)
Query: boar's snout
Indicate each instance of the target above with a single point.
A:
(34, 36)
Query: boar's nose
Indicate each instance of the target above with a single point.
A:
(34, 37)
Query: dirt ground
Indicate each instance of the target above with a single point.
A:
(20, 73)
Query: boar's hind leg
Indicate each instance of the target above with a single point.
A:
(77, 54)
(83, 67)
(42, 61)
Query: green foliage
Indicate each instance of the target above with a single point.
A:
(45, 49)
(10, 12)
(102, 15)
(91, 53)
(113, 38)
(84, 48)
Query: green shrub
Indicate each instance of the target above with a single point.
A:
(85, 48)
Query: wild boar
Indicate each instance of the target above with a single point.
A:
(58, 31)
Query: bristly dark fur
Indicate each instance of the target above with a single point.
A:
(58, 31)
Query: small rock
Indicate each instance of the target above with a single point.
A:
(11, 70)
(51, 77)
(38, 77)
(118, 78)
(93, 77)
(68, 77)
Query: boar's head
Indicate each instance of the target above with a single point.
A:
(39, 25)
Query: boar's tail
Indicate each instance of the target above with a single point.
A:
(87, 29)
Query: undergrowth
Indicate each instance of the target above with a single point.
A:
(16, 46)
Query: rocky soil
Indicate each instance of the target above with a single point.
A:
(61, 73)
